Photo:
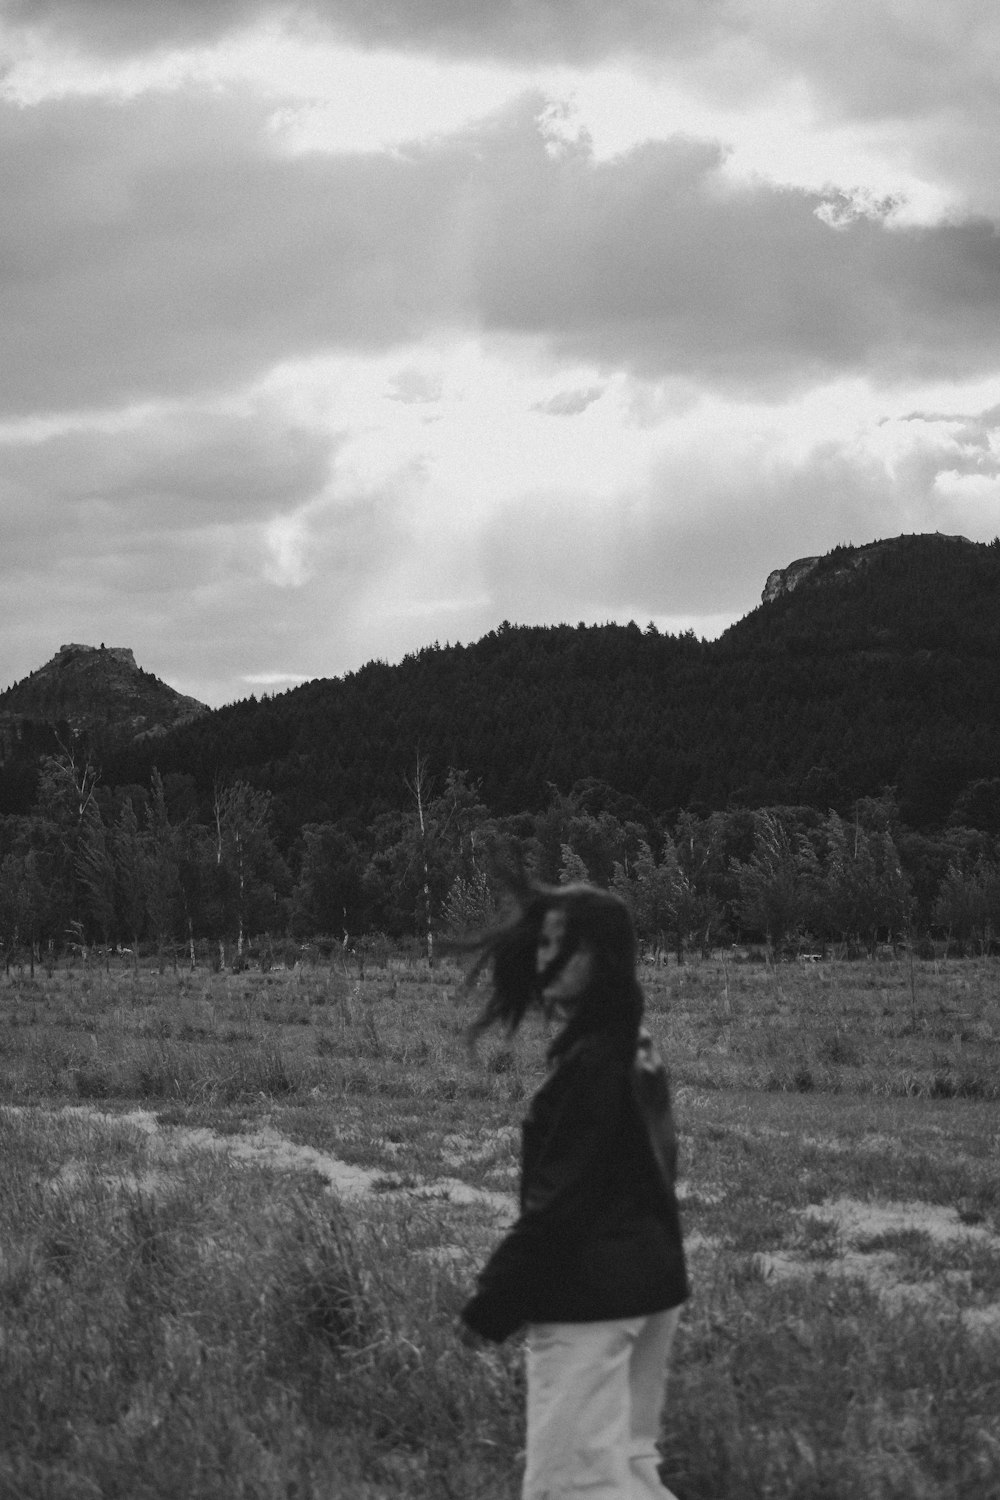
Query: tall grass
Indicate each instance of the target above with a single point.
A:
(867, 1027)
(227, 1333)
(810, 1390)
(182, 1322)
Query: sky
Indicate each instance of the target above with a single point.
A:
(331, 330)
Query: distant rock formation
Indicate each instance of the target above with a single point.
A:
(120, 653)
(784, 580)
(100, 689)
(848, 559)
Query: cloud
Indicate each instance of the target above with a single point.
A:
(274, 679)
(122, 28)
(974, 430)
(214, 544)
(861, 58)
(919, 82)
(888, 58)
(652, 262)
(166, 246)
(415, 387)
(556, 30)
(570, 403)
(701, 537)
(875, 59)
(183, 469)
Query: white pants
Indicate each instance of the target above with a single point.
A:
(595, 1395)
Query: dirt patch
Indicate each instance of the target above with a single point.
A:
(841, 1237)
(857, 1221)
(466, 1151)
(264, 1147)
(854, 1225)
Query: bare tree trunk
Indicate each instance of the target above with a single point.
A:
(242, 879)
(217, 813)
(417, 788)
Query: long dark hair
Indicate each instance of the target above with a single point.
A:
(612, 1001)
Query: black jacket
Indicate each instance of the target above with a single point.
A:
(598, 1235)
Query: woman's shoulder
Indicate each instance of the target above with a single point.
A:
(586, 1082)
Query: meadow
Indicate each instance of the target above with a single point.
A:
(240, 1212)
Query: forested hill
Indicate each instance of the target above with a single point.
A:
(879, 669)
(95, 689)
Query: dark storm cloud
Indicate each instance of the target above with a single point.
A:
(165, 246)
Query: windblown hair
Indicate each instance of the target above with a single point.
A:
(612, 1002)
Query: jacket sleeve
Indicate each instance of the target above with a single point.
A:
(558, 1196)
(651, 1091)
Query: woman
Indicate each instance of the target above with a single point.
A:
(594, 1265)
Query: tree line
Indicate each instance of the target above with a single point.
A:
(879, 671)
(151, 869)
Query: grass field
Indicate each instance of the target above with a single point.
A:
(238, 1214)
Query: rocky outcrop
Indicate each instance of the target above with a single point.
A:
(124, 654)
(784, 580)
(95, 688)
(837, 564)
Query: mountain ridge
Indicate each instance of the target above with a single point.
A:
(785, 580)
(877, 669)
(874, 676)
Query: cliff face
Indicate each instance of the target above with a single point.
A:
(96, 688)
(848, 560)
(784, 580)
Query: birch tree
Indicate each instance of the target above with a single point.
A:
(67, 797)
(418, 787)
(95, 871)
(243, 847)
(129, 876)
